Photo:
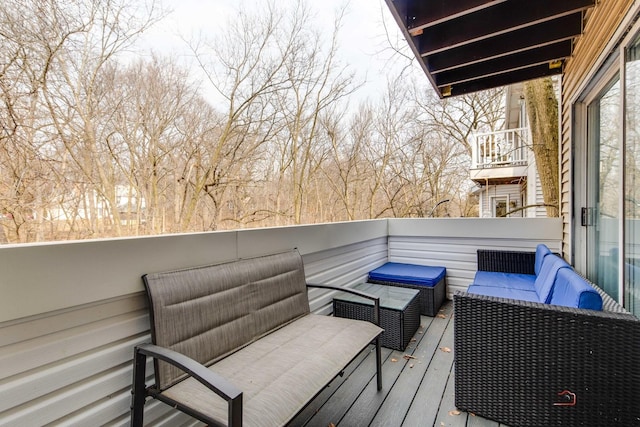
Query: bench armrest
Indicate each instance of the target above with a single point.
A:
(375, 299)
(209, 379)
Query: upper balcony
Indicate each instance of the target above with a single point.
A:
(500, 156)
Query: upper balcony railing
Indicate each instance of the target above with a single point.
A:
(501, 148)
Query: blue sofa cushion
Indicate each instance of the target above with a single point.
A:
(571, 290)
(541, 252)
(411, 274)
(505, 280)
(545, 280)
(511, 293)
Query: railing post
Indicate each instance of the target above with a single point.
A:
(474, 153)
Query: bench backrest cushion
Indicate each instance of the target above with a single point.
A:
(571, 290)
(211, 311)
(541, 252)
(547, 276)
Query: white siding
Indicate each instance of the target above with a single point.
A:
(534, 191)
(512, 191)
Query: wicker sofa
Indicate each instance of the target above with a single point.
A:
(526, 363)
(553, 282)
(231, 342)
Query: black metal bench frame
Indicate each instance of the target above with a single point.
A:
(214, 382)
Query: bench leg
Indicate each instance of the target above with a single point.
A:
(235, 412)
(138, 391)
(379, 363)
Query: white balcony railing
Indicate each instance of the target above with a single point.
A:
(501, 148)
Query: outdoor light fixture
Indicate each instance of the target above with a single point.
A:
(555, 64)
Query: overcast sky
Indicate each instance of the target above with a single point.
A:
(362, 37)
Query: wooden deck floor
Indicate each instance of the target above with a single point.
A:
(418, 386)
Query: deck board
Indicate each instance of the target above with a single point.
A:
(418, 390)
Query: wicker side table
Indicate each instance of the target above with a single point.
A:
(399, 312)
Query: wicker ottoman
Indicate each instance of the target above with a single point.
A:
(399, 312)
(430, 281)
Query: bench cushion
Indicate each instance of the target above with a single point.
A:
(545, 280)
(505, 280)
(504, 292)
(208, 312)
(411, 274)
(274, 373)
(571, 290)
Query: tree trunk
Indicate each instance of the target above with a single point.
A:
(542, 108)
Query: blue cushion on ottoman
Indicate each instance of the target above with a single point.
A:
(430, 281)
(411, 274)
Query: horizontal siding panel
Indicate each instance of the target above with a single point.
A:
(70, 399)
(37, 326)
(489, 228)
(49, 277)
(40, 382)
(345, 266)
(21, 357)
(156, 414)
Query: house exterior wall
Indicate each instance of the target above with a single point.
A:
(512, 191)
(602, 31)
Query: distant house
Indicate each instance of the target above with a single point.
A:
(92, 205)
(503, 166)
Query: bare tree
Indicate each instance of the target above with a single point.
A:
(459, 117)
(542, 108)
(345, 171)
(317, 83)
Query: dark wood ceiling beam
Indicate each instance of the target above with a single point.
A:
(502, 80)
(565, 28)
(493, 21)
(423, 14)
(536, 56)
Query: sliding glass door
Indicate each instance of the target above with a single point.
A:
(632, 178)
(602, 216)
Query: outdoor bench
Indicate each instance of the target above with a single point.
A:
(235, 343)
(529, 363)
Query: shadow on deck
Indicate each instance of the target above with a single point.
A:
(418, 386)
